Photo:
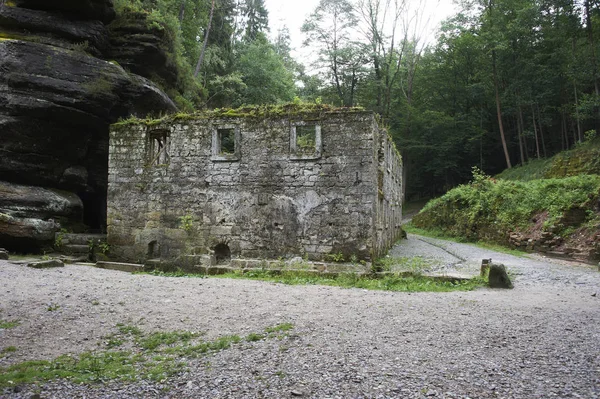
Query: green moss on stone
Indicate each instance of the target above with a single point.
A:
(258, 112)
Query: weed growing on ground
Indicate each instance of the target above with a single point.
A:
(52, 307)
(390, 282)
(155, 356)
(8, 349)
(415, 264)
(6, 324)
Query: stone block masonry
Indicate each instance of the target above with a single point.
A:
(323, 185)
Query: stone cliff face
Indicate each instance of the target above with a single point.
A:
(61, 85)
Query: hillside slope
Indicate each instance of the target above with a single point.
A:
(557, 216)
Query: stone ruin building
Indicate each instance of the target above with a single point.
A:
(208, 188)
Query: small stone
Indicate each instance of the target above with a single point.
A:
(297, 392)
(3, 255)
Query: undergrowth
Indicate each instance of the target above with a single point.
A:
(487, 209)
(583, 159)
(154, 356)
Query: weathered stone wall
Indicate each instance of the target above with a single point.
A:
(388, 219)
(264, 200)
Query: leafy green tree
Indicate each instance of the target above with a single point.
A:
(329, 30)
(266, 79)
(256, 19)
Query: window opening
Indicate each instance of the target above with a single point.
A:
(226, 139)
(222, 254)
(306, 139)
(159, 148)
(153, 250)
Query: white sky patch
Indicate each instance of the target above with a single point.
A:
(293, 13)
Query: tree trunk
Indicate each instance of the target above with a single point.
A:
(588, 21)
(564, 139)
(181, 11)
(576, 97)
(525, 148)
(201, 58)
(499, 111)
(541, 130)
(537, 142)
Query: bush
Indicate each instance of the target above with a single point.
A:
(487, 209)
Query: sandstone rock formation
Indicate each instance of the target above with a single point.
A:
(61, 85)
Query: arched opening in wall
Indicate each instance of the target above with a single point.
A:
(222, 254)
(153, 250)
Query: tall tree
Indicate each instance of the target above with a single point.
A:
(329, 29)
(256, 19)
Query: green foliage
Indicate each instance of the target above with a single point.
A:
(415, 265)
(58, 239)
(7, 324)
(288, 110)
(8, 349)
(129, 330)
(81, 47)
(186, 222)
(265, 77)
(104, 247)
(338, 257)
(348, 280)
(154, 340)
(584, 159)
(590, 135)
(156, 357)
(52, 307)
(486, 209)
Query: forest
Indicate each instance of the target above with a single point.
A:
(505, 81)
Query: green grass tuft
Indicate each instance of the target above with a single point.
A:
(7, 324)
(155, 356)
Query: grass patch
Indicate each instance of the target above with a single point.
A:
(7, 324)
(8, 349)
(154, 356)
(392, 282)
(129, 330)
(400, 283)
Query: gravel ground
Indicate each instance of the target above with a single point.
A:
(539, 340)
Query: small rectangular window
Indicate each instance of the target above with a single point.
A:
(306, 140)
(226, 141)
(159, 147)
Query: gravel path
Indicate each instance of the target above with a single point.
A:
(539, 340)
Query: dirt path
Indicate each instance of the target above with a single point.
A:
(539, 340)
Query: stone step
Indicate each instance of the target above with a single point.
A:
(73, 249)
(124, 267)
(79, 239)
